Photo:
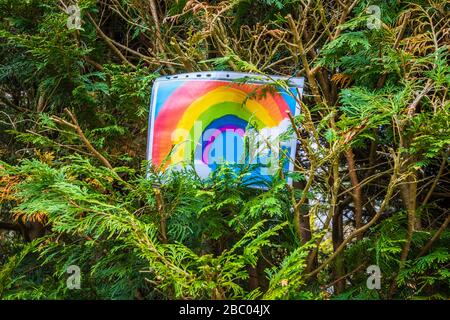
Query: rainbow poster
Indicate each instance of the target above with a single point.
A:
(205, 119)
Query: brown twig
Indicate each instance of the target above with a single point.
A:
(356, 194)
(110, 43)
(435, 237)
(74, 125)
(433, 186)
(390, 190)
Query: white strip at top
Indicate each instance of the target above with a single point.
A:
(231, 75)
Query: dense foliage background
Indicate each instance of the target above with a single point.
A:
(371, 182)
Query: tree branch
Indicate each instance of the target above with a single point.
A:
(74, 125)
(435, 237)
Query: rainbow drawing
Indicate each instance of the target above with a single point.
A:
(203, 119)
